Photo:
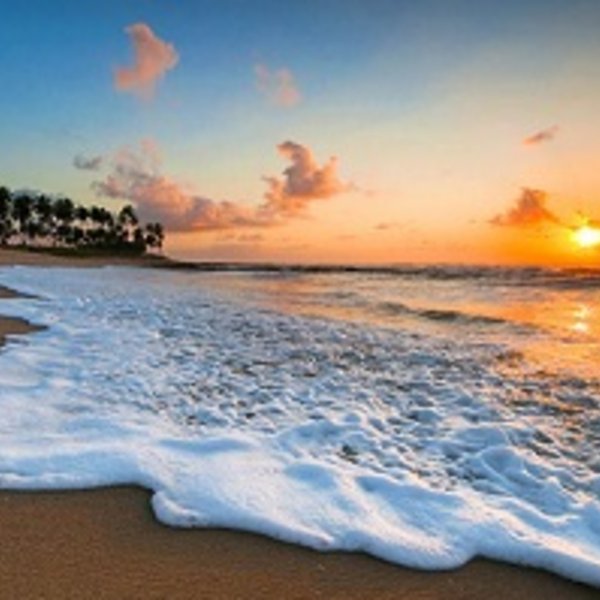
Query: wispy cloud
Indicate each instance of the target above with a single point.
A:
(87, 163)
(136, 175)
(540, 137)
(277, 86)
(389, 225)
(250, 238)
(528, 210)
(153, 57)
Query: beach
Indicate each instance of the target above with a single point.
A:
(106, 543)
(10, 257)
(12, 326)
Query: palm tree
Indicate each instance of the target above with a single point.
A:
(43, 211)
(64, 210)
(159, 232)
(128, 221)
(21, 212)
(33, 230)
(138, 238)
(127, 216)
(5, 215)
(154, 235)
(82, 214)
(77, 236)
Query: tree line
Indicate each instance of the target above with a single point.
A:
(41, 221)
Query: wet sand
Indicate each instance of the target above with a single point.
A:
(10, 326)
(107, 544)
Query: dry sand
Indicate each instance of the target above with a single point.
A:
(106, 544)
(19, 257)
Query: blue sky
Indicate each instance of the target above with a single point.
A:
(384, 86)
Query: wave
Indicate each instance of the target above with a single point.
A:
(311, 431)
(439, 315)
(567, 278)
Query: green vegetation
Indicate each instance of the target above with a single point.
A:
(37, 221)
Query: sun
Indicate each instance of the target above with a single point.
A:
(586, 236)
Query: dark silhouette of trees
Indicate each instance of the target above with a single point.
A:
(21, 212)
(5, 215)
(154, 235)
(43, 212)
(37, 220)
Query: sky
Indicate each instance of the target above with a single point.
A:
(337, 131)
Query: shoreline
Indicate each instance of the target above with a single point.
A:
(12, 325)
(18, 257)
(107, 542)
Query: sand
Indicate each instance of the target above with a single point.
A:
(11, 326)
(19, 257)
(106, 544)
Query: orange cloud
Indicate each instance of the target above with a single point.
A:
(545, 135)
(279, 87)
(302, 182)
(529, 209)
(136, 176)
(250, 238)
(152, 59)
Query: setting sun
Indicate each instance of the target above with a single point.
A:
(586, 236)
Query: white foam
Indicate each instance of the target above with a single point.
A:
(319, 432)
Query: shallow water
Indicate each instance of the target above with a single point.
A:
(421, 417)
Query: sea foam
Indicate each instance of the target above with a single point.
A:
(421, 450)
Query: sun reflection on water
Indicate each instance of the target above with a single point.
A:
(552, 327)
(581, 319)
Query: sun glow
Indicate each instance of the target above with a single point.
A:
(586, 236)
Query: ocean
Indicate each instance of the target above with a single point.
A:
(422, 414)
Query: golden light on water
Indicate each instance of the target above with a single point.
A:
(587, 236)
(581, 318)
